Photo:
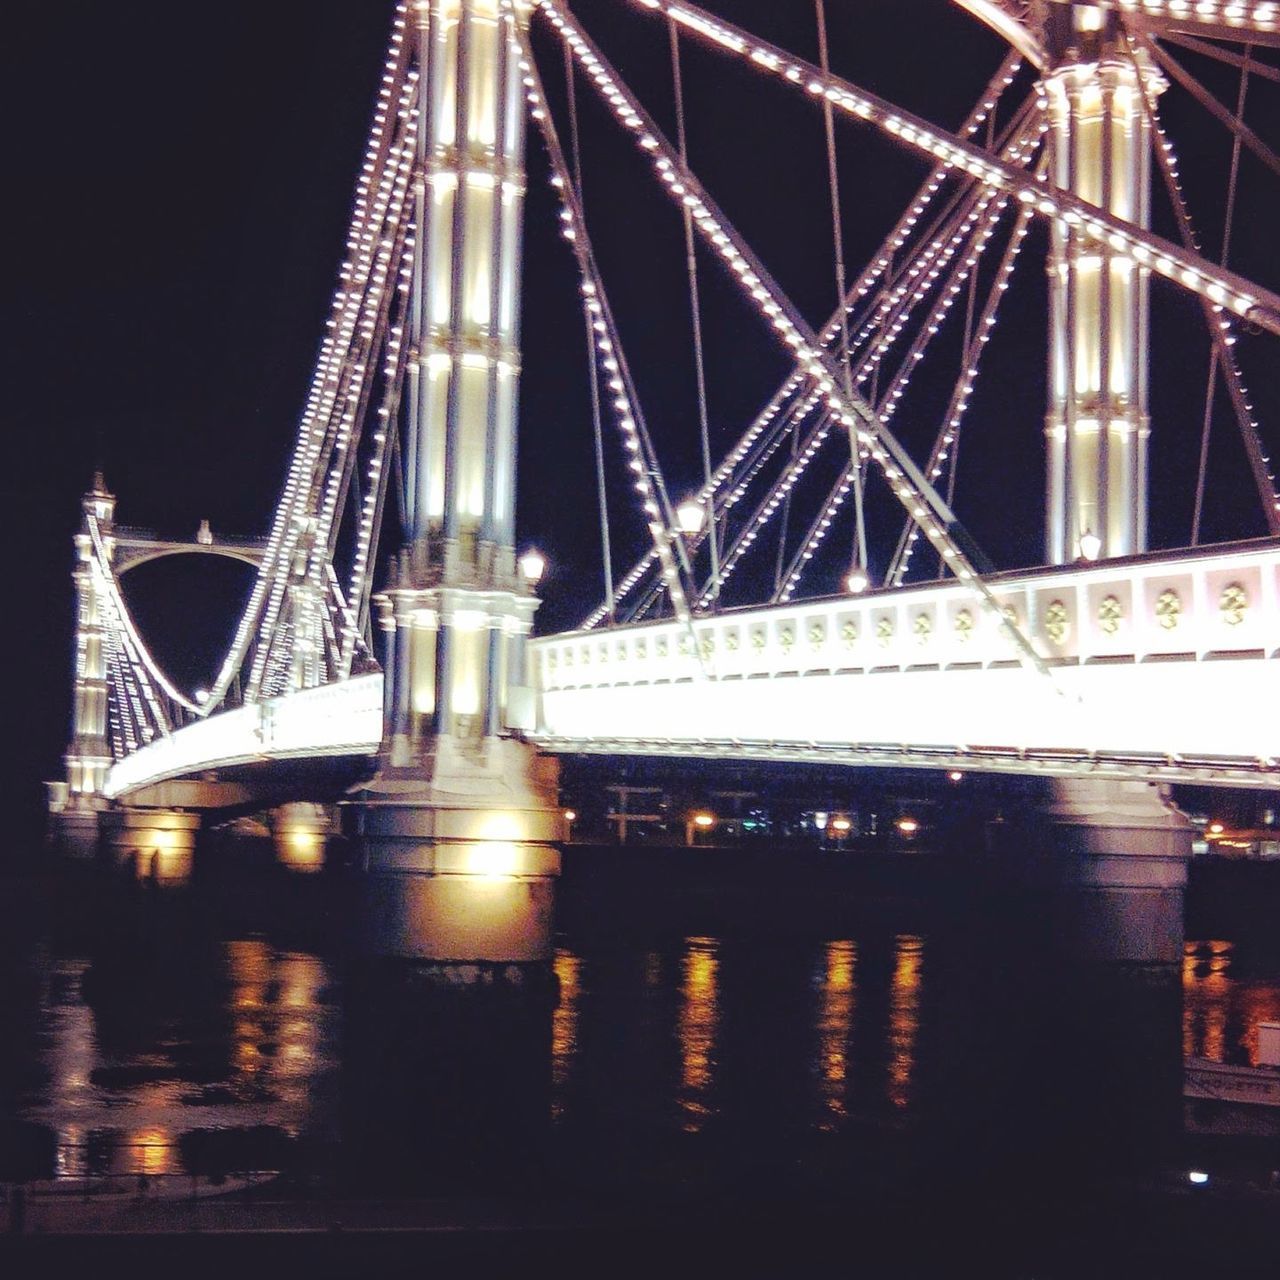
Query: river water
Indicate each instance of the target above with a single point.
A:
(142, 1036)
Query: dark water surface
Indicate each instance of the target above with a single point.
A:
(905, 1053)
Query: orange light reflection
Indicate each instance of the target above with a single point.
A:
(699, 1012)
(904, 1017)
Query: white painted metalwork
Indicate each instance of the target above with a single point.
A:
(1151, 660)
(343, 719)
(1164, 666)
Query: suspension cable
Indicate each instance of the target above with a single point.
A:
(970, 304)
(648, 479)
(781, 558)
(837, 236)
(1226, 249)
(1216, 319)
(695, 311)
(606, 554)
(767, 430)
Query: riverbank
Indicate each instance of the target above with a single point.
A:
(1012, 1232)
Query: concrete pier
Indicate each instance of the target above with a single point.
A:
(458, 826)
(1106, 861)
(301, 832)
(151, 845)
(460, 864)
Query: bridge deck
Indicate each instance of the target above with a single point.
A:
(1164, 667)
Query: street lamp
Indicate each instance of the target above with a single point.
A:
(689, 517)
(1090, 545)
(533, 565)
(857, 581)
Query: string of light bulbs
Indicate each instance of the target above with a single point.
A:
(776, 308)
(1187, 270)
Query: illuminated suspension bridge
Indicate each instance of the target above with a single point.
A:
(1110, 666)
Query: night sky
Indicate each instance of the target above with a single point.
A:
(179, 184)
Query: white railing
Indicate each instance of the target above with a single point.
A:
(1156, 660)
(1161, 656)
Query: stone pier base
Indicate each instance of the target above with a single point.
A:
(74, 834)
(460, 857)
(153, 845)
(301, 832)
(1106, 862)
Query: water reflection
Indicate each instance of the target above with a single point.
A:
(1223, 1002)
(139, 1054)
(446, 1085)
(835, 1025)
(148, 1051)
(564, 1027)
(699, 1014)
(277, 1037)
(904, 1017)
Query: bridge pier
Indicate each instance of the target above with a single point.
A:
(459, 857)
(1107, 860)
(301, 831)
(151, 845)
(459, 824)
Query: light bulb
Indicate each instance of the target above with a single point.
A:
(533, 565)
(689, 517)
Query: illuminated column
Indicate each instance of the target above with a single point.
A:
(88, 755)
(307, 669)
(1097, 424)
(459, 825)
(457, 600)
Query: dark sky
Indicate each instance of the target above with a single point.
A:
(179, 183)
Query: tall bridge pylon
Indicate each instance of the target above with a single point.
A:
(457, 797)
(1098, 425)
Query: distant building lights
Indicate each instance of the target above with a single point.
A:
(908, 826)
(704, 821)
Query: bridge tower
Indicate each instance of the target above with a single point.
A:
(1118, 848)
(1097, 425)
(77, 802)
(459, 823)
